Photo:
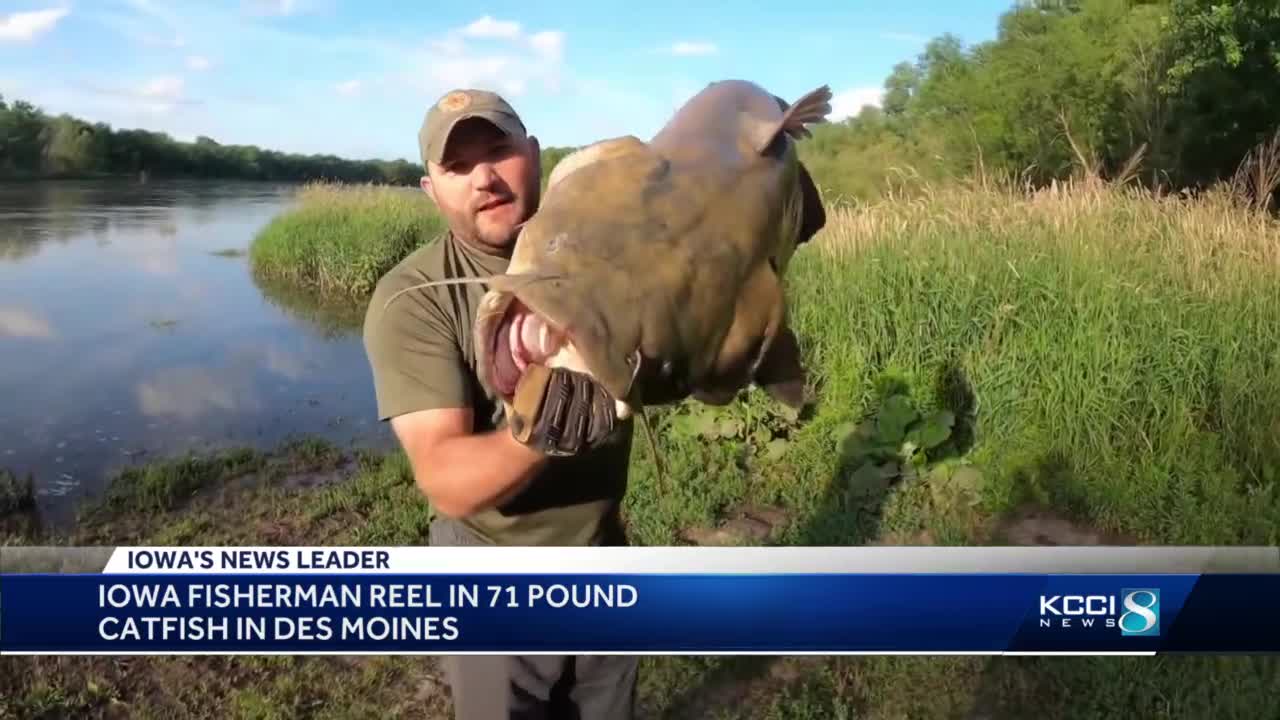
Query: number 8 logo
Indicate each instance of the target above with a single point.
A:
(1142, 612)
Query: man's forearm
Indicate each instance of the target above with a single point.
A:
(464, 475)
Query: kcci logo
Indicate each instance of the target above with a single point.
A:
(1140, 614)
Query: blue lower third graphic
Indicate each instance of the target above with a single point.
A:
(1141, 611)
(643, 613)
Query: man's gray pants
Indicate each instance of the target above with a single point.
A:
(535, 687)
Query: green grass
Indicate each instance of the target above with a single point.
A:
(339, 239)
(1119, 355)
(1107, 355)
(160, 486)
(305, 490)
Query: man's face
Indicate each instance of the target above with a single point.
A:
(487, 184)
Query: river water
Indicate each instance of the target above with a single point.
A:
(131, 328)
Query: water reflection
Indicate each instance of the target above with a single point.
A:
(17, 322)
(33, 214)
(328, 316)
(189, 392)
(236, 385)
(124, 335)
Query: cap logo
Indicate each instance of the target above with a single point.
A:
(454, 101)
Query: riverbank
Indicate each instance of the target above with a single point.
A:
(1094, 365)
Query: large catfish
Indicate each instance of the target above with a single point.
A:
(656, 267)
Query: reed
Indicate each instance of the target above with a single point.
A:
(340, 239)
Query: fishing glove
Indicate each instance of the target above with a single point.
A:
(561, 412)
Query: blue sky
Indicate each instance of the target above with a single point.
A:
(354, 78)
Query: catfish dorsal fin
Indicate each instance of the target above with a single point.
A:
(812, 108)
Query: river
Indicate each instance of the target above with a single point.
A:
(131, 328)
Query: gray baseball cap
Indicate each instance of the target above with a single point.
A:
(456, 106)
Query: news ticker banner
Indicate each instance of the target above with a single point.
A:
(794, 600)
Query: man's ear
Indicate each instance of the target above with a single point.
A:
(425, 183)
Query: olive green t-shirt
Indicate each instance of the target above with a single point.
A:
(422, 356)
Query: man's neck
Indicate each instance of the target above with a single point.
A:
(475, 245)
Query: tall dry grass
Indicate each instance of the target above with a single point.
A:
(1124, 346)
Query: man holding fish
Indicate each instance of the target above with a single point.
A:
(562, 483)
(649, 273)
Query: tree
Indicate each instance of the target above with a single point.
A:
(1222, 81)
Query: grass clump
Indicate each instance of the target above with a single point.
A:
(340, 239)
(160, 486)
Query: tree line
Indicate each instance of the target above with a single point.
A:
(34, 144)
(1171, 93)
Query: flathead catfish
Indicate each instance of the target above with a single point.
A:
(656, 267)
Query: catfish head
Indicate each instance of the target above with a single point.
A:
(574, 295)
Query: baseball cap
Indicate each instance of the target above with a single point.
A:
(456, 106)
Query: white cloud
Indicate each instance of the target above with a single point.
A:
(848, 103)
(519, 60)
(548, 43)
(514, 87)
(688, 48)
(145, 24)
(162, 88)
(198, 63)
(348, 88)
(487, 27)
(469, 71)
(281, 8)
(448, 45)
(26, 26)
(162, 93)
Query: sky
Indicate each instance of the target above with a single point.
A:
(354, 78)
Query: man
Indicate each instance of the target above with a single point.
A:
(485, 485)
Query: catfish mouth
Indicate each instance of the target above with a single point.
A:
(519, 339)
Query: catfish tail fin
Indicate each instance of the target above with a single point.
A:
(812, 108)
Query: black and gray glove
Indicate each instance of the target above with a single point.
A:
(561, 412)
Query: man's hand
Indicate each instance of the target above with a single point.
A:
(561, 412)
